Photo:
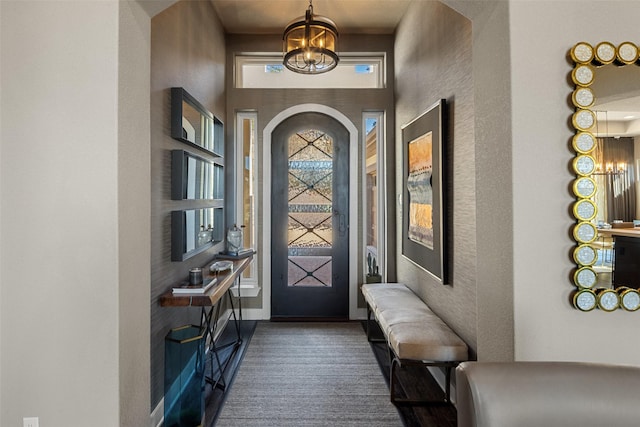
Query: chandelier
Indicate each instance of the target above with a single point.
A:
(310, 44)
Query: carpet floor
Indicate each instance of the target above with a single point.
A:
(308, 374)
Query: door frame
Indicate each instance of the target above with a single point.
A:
(354, 311)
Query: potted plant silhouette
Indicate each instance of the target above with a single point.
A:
(372, 270)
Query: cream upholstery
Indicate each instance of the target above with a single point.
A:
(379, 292)
(414, 334)
(428, 340)
(412, 330)
(549, 394)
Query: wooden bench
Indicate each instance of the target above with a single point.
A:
(413, 333)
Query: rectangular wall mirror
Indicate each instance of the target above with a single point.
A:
(195, 178)
(193, 124)
(195, 230)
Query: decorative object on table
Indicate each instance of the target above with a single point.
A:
(205, 235)
(195, 276)
(219, 266)
(372, 270)
(310, 44)
(201, 289)
(423, 217)
(242, 253)
(234, 239)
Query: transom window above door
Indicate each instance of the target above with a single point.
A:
(265, 71)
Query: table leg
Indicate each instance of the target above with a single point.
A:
(209, 320)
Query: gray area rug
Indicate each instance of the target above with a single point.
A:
(309, 374)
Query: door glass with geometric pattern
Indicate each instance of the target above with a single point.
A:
(309, 236)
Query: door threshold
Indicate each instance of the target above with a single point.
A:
(308, 319)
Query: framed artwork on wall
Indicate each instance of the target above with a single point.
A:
(423, 218)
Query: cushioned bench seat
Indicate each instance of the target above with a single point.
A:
(414, 334)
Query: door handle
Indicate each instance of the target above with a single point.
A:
(343, 226)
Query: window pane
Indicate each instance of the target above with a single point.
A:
(373, 198)
(267, 72)
(246, 164)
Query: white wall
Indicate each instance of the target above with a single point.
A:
(1, 364)
(134, 212)
(74, 279)
(546, 325)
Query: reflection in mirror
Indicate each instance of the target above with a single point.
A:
(196, 128)
(195, 178)
(193, 124)
(617, 152)
(195, 230)
(607, 146)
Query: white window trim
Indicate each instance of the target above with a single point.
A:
(251, 281)
(382, 195)
(268, 58)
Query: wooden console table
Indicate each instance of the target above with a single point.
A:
(226, 280)
(210, 303)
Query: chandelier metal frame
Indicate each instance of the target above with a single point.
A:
(309, 44)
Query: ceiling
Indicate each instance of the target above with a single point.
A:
(367, 17)
(271, 16)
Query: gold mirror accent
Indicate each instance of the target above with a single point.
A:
(584, 187)
(583, 119)
(605, 53)
(608, 299)
(586, 59)
(584, 165)
(585, 255)
(584, 142)
(585, 232)
(585, 277)
(585, 300)
(583, 75)
(582, 53)
(629, 299)
(584, 210)
(583, 97)
(627, 53)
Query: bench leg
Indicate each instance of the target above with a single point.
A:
(397, 363)
(368, 323)
(369, 327)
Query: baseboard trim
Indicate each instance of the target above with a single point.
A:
(263, 314)
(157, 415)
(253, 314)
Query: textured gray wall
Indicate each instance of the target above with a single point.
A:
(433, 60)
(188, 50)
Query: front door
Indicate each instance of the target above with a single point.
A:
(309, 218)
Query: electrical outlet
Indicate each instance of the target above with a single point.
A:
(30, 422)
